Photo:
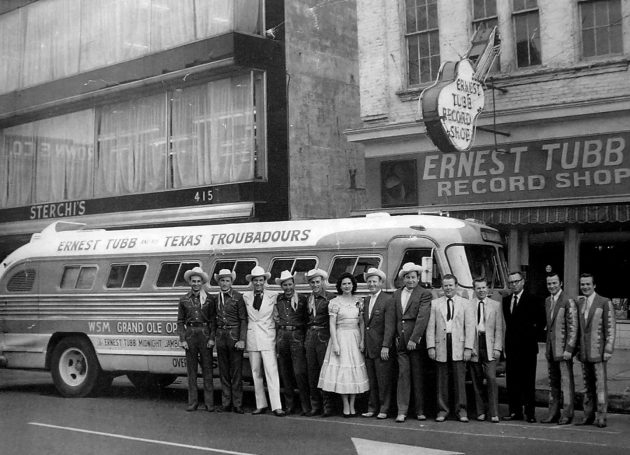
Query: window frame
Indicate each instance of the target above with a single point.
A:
(177, 274)
(295, 259)
(81, 267)
(236, 282)
(354, 268)
(417, 34)
(594, 28)
(523, 13)
(124, 279)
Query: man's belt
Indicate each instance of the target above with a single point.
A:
(291, 327)
(195, 324)
(319, 327)
(225, 327)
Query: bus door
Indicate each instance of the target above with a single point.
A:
(420, 251)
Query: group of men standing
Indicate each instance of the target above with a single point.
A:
(431, 342)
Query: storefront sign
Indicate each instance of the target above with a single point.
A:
(556, 169)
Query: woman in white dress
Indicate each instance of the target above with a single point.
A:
(344, 370)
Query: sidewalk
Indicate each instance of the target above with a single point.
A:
(618, 382)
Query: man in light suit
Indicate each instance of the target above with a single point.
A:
(261, 341)
(488, 344)
(413, 305)
(562, 333)
(524, 316)
(450, 340)
(596, 316)
(379, 325)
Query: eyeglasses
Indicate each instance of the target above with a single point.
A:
(515, 281)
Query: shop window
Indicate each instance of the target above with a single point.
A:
(126, 275)
(78, 277)
(21, 281)
(399, 183)
(526, 32)
(297, 266)
(601, 28)
(241, 267)
(172, 274)
(422, 39)
(48, 160)
(356, 265)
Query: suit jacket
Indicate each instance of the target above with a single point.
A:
(524, 326)
(493, 321)
(380, 326)
(186, 311)
(562, 327)
(597, 329)
(412, 324)
(462, 328)
(261, 326)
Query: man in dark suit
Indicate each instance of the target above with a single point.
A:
(596, 316)
(562, 334)
(380, 325)
(413, 307)
(524, 321)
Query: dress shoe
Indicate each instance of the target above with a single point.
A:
(565, 420)
(224, 409)
(259, 411)
(327, 414)
(530, 419)
(422, 417)
(347, 416)
(368, 414)
(494, 419)
(381, 415)
(481, 417)
(400, 418)
(440, 419)
(551, 419)
(586, 421)
(279, 412)
(513, 417)
(238, 410)
(463, 419)
(313, 413)
(192, 407)
(209, 408)
(601, 423)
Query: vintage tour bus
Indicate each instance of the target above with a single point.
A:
(91, 304)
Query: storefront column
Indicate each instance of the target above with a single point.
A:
(571, 260)
(513, 251)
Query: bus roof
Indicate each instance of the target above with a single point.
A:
(70, 240)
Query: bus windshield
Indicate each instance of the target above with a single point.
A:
(471, 261)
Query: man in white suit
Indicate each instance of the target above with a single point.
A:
(488, 344)
(261, 341)
(450, 340)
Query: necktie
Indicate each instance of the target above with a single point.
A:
(449, 309)
(514, 302)
(311, 305)
(294, 302)
(372, 300)
(480, 315)
(224, 297)
(257, 301)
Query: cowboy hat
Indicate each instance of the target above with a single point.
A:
(316, 272)
(409, 267)
(224, 273)
(374, 272)
(284, 276)
(256, 272)
(197, 271)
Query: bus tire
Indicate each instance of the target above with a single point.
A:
(74, 367)
(149, 381)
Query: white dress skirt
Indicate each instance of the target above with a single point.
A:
(344, 373)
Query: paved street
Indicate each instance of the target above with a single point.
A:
(36, 420)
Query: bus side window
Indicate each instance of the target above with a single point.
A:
(126, 275)
(78, 277)
(416, 256)
(298, 267)
(241, 268)
(356, 265)
(172, 274)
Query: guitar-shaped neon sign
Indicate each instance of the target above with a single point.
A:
(451, 105)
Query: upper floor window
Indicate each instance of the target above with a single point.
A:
(484, 19)
(423, 42)
(601, 28)
(527, 32)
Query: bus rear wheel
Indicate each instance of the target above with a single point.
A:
(149, 381)
(74, 367)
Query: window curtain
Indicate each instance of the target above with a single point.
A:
(214, 17)
(131, 149)
(17, 159)
(51, 42)
(11, 50)
(213, 133)
(247, 16)
(172, 23)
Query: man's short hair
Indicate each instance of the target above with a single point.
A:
(449, 276)
(480, 279)
(588, 275)
(552, 274)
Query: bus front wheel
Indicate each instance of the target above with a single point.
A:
(75, 368)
